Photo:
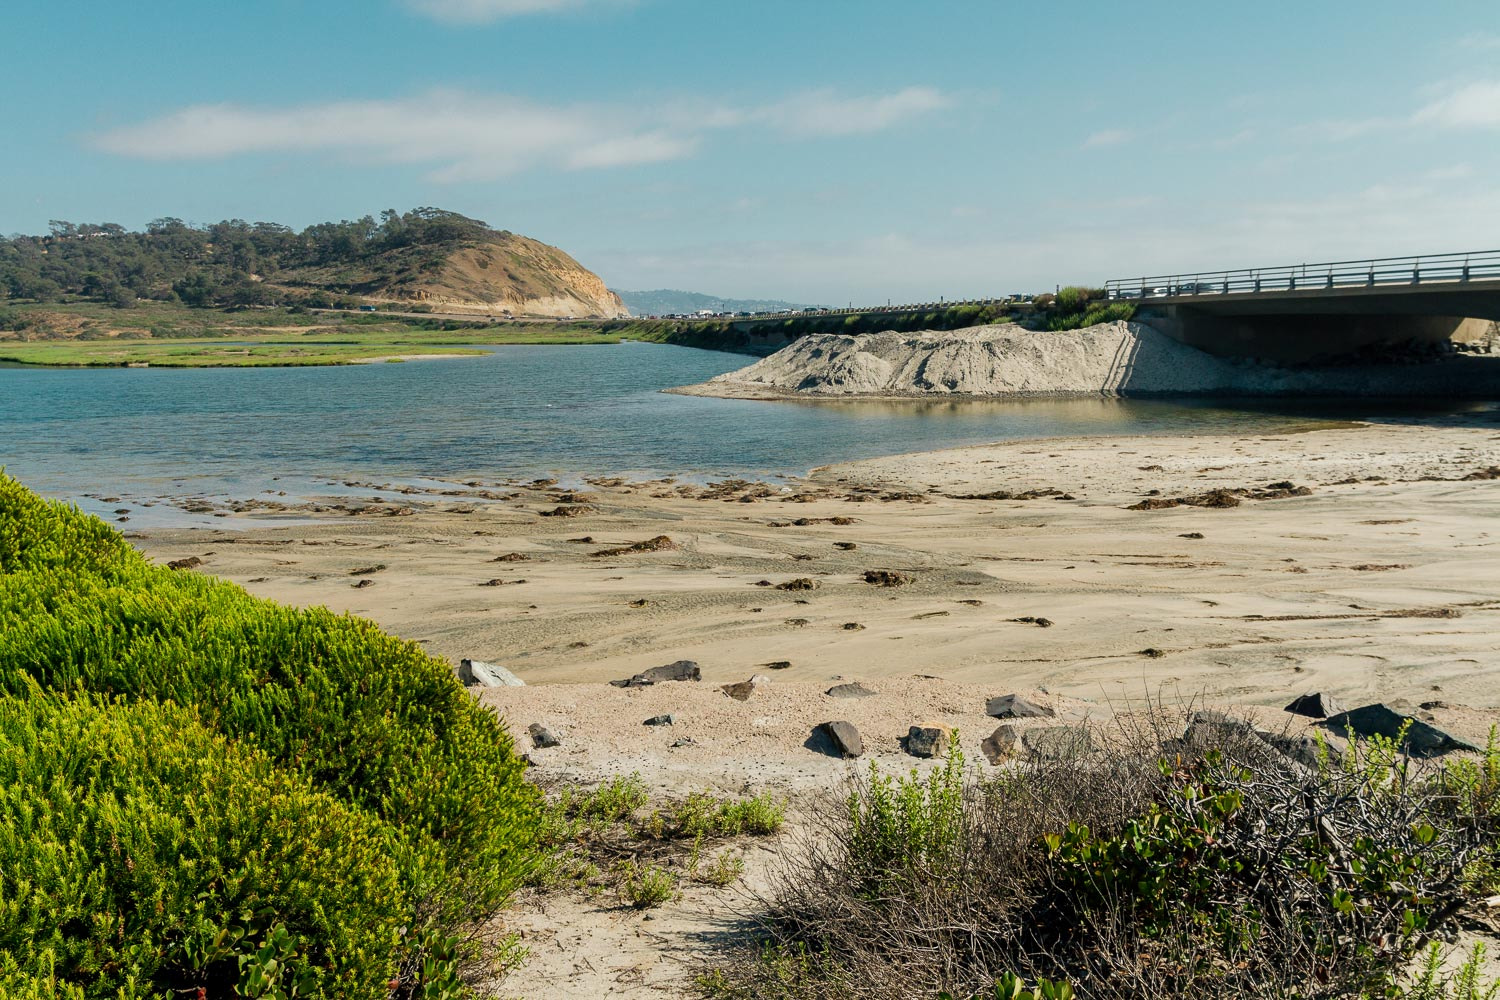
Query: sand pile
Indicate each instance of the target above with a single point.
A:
(1110, 359)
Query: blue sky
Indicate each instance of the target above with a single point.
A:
(820, 150)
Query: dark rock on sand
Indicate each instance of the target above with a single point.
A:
(1422, 739)
(742, 690)
(1318, 705)
(1013, 706)
(854, 689)
(843, 736)
(680, 670)
(927, 741)
(1041, 743)
(542, 737)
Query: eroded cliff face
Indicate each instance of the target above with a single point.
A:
(509, 274)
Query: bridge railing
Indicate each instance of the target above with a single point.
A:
(1371, 273)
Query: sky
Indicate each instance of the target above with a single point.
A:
(827, 151)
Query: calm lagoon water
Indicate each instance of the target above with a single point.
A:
(520, 411)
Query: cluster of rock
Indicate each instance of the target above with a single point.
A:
(1018, 738)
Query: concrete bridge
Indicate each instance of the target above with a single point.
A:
(1303, 312)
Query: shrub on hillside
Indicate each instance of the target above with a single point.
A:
(1099, 312)
(1073, 298)
(364, 717)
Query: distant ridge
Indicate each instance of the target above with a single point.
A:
(663, 301)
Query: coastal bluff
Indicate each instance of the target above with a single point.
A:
(1119, 358)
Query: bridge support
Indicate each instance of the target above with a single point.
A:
(1310, 339)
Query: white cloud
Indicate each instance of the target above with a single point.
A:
(487, 11)
(1108, 137)
(824, 112)
(1481, 40)
(1475, 105)
(465, 137)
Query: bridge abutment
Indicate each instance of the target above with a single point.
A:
(1297, 339)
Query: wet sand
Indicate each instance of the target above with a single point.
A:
(1384, 581)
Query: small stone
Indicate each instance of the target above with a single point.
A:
(778, 665)
(660, 720)
(1013, 706)
(191, 562)
(801, 583)
(927, 741)
(853, 689)
(477, 673)
(1318, 705)
(1054, 742)
(846, 546)
(742, 690)
(362, 584)
(852, 626)
(542, 737)
(997, 746)
(680, 670)
(844, 737)
(1033, 620)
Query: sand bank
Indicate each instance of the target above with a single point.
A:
(1110, 359)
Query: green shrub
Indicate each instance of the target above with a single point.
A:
(1211, 864)
(369, 719)
(702, 814)
(903, 830)
(647, 886)
(1073, 298)
(137, 847)
(1013, 987)
(1468, 981)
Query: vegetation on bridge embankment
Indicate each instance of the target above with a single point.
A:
(1071, 308)
(202, 791)
(758, 336)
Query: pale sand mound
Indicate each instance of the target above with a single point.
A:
(1111, 358)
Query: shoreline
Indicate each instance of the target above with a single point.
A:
(1051, 536)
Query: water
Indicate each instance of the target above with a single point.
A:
(518, 412)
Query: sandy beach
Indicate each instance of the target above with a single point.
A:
(1379, 583)
(1371, 569)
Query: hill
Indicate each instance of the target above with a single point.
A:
(671, 301)
(426, 256)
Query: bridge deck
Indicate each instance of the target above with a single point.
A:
(1477, 271)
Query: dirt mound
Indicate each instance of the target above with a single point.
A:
(1111, 359)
